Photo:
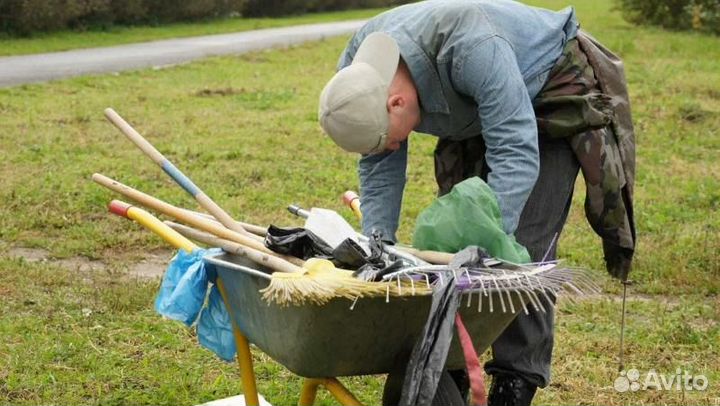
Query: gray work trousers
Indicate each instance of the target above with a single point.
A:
(525, 347)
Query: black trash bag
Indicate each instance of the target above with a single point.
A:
(297, 242)
(427, 360)
(472, 256)
(375, 267)
(350, 254)
(371, 272)
(302, 243)
(377, 244)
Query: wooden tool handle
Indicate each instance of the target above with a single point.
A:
(184, 216)
(433, 257)
(272, 262)
(134, 136)
(251, 228)
(180, 178)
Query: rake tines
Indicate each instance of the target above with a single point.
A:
(518, 284)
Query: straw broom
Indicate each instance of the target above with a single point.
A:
(285, 291)
(317, 281)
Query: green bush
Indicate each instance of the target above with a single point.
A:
(700, 15)
(129, 11)
(23, 17)
(264, 8)
(271, 8)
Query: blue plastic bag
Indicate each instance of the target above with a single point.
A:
(182, 297)
(214, 328)
(184, 286)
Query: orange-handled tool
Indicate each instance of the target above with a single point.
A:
(352, 200)
(179, 241)
(149, 221)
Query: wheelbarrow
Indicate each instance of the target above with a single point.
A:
(340, 338)
(372, 335)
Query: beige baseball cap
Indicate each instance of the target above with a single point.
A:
(353, 104)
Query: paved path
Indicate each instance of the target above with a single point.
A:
(15, 70)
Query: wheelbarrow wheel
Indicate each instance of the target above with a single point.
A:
(447, 393)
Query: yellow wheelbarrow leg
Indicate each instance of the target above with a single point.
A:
(244, 357)
(339, 392)
(309, 391)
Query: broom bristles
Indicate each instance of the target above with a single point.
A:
(318, 285)
(296, 288)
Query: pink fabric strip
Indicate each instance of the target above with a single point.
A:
(472, 363)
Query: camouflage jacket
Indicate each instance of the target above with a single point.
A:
(587, 101)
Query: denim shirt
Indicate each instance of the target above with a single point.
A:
(476, 65)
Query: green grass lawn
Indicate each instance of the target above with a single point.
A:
(244, 128)
(65, 40)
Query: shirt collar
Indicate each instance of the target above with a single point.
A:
(424, 74)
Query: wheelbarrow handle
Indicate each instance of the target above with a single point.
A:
(179, 241)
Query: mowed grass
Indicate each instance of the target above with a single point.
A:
(244, 128)
(118, 35)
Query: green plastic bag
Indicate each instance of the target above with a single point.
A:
(468, 215)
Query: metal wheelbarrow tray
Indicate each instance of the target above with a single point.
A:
(330, 340)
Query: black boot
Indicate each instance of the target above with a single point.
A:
(510, 390)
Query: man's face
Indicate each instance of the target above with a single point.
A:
(397, 133)
(403, 108)
(403, 119)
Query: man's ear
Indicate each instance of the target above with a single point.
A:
(394, 102)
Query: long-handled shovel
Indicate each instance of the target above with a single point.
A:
(204, 200)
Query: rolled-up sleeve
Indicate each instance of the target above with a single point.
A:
(489, 73)
(382, 182)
